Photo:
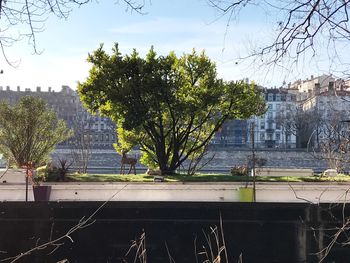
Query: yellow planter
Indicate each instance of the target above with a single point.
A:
(246, 194)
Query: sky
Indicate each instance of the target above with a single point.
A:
(168, 25)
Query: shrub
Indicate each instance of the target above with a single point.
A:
(46, 173)
(239, 170)
(41, 173)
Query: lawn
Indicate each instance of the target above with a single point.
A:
(200, 178)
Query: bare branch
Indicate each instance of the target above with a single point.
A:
(304, 28)
(24, 19)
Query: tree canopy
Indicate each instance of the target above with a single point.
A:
(29, 131)
(170, 106)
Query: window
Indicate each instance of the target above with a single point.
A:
(278, 106)
(278, 136)
(262, 125)
(270, 107)
(262, 136)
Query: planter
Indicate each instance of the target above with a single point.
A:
(42, 192)
(246, 194)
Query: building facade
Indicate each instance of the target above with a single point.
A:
(331, 114)
(92, 130)
(279, 127)
(233, 133)
(271, 129)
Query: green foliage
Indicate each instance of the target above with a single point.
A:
(42, 171)
(29, 131)
(148, 159)
(126, 140)
(171, 106)
(46, 173)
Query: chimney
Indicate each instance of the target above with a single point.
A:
(1, 88)
(18, 88)
(38, 89)
(7, 88)
(49, 89)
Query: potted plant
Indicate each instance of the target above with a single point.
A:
(41, 192)
(246, 193)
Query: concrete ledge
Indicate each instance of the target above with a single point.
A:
(185, 192)
(284, 172)
(12, 176)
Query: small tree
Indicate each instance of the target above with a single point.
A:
(29, 131)
(82, 140)
(300, 123)
(334, 145)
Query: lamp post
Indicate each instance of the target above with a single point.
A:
(252, 137)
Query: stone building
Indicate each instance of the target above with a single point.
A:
(332, 108)
(93, 130)
(319, 85)
(271, 129)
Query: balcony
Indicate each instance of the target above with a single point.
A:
(269, 130)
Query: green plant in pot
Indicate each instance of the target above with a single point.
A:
(41, 192)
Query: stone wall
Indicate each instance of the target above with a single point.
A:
(223, 160)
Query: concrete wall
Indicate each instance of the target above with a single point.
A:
(264, 233)
(183, 192)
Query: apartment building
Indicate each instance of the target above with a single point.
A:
(272, 130)
(331, 109)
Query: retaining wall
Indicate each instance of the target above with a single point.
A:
(261, 233)
(224, 159)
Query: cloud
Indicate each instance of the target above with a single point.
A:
(53, 71)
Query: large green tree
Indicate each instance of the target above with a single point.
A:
(171, 106)
(29, 131)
